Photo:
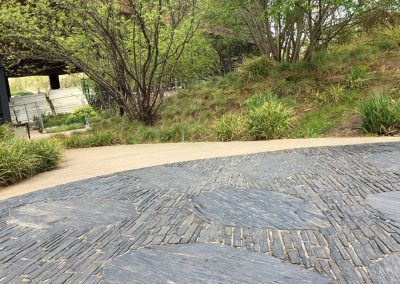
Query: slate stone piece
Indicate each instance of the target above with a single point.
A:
(204, 263)
(388, 203)
(277, 165)
(257, 209)
(385, 160)
(167, 177)
(71, 213)
(386, 271)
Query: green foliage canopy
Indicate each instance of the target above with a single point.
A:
(129, 48)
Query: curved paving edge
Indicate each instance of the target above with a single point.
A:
(356, 239)
(91, 162)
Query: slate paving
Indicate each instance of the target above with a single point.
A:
(257, 209)
(388, 203)
(204, 263)
(300, 215)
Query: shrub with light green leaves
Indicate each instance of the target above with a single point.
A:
(79, 114)
(272, 120)
(378, 115)
(231, 128)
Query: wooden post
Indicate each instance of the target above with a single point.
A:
(27, 114)
(5, 115)
(54, 82)
(40, 117)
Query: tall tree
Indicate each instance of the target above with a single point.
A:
(287, 29)
(130, 48)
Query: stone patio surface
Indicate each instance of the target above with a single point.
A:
(313, 215)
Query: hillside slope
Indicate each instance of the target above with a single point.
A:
(324, 93)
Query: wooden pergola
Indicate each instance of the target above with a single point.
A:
(5, 115)
(40, 68)
(36, 68)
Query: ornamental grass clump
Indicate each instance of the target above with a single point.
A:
(20, 158)
(231, 128)
(6, 133)
(255, 68)
(90, 139)
(271, 120)
(379, 115)
(266, 118)
(258, 100)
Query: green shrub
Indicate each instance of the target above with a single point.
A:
(172, 133)
(385, 39)
(79, 114)
(377, 115)
(269, 121)
(147, 134)
(283, 66)
(50, 120)
(321, 58)
(384, 44)
(199, 132)
(255, 68)
(91, 139)
(219, 98)
(65, 127)
(21, 158)
(258, 100)
(6, 132)
(231, 128)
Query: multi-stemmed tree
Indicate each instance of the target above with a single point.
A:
(290, 30)
(130, 48)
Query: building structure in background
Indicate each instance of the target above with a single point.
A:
(5, 115)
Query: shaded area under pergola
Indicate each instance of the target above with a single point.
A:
(23, 69)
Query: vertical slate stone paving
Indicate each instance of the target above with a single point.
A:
(318, 217)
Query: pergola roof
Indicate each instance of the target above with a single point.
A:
(36, 68)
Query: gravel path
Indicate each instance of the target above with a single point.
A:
(86, 163)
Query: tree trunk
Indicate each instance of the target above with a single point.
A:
(309, 53)
(121, 111)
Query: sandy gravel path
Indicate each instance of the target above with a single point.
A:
(86, 163)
